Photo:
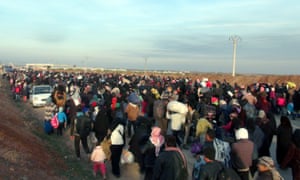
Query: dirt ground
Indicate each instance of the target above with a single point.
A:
(25, 154)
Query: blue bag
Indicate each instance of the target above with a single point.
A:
(48, 127)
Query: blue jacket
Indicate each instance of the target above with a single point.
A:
(61, 116)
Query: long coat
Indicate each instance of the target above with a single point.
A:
(101, 125)
(292, 158)
(284, 137)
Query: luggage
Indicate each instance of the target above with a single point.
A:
(127, 157)
(48, 127)
(54, 121)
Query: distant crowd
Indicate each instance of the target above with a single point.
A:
(226, 126)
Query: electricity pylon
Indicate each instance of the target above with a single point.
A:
(234, 39)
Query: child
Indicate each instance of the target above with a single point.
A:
(98, 158)
(62, 118)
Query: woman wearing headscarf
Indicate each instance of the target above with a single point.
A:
(139, 139)
(101, 124)
(151, 151)
(292, 157)
(284, 138)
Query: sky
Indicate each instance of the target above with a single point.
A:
(181, 35)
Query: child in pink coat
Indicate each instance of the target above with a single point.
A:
(98, 158)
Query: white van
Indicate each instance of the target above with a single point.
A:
(39, 95)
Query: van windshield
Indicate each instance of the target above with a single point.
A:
(42, 90)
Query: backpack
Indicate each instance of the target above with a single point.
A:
(227, 173)
(196, 147)
(54, 121)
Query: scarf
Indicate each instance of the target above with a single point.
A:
(157, 142)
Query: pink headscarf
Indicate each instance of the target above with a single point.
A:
(157, 139)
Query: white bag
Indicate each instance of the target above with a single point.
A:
(127, 157)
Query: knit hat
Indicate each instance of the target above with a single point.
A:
(266, 161)
(261, 114)
(241, 133)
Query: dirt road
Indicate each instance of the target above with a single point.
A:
(131, 171)
(23, 158)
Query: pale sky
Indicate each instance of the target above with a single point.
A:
(183, 35)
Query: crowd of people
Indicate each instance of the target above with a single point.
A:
(159, 116)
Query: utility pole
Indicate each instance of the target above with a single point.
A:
(84, 63)
(145, 70)
(234, 39)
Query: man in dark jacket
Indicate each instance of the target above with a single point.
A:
(191, 123)
(214, 169)
(139, 139)
(171, 163)
(81, 132)
(211, 168)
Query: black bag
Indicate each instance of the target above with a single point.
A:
(227, 173)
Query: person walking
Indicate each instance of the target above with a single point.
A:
(98, 158)
(191, 123)
(284, 138)
(176, 112)
(292, 157)
(241, 153)
(117, 136)
(62, 119)
(171, 163)
(132, 111)
(266, 170)
(151, 151)
(81, 131)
